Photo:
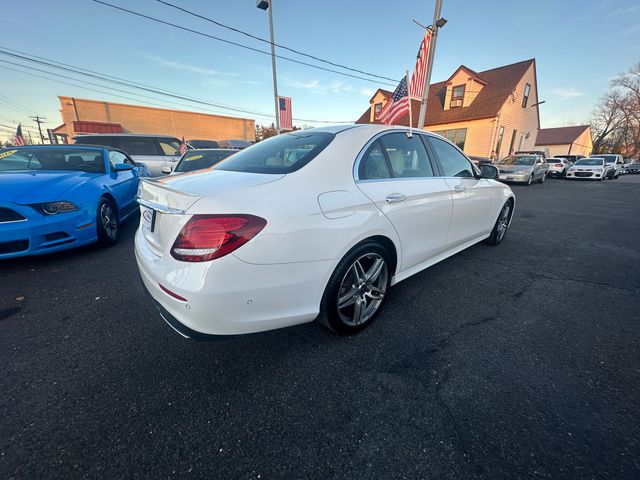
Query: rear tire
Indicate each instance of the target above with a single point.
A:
(530, 180)
(107, 223)
(542, 179)
(357, 289)
(501, 226)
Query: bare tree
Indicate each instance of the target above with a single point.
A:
(616, 118)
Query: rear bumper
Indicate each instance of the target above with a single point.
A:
(228, 296)
(39, 234)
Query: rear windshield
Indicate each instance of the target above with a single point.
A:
(520, 160)
(52, 158)
(199, 159)
(590, 161)
(280, 154)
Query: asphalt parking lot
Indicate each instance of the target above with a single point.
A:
(517, 361)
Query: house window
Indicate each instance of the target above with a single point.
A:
(457, 136)
(499, 141)
(458, 92)
(377, 107)
(513, 141)
(525, 99)
(522, 136)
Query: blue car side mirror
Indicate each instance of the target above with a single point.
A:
(122, 167)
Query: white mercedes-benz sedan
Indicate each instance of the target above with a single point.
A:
(316, 223)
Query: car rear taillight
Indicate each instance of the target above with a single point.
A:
(207, 237)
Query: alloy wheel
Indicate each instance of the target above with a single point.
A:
(363, 289)
(109, 222)
(503, 222)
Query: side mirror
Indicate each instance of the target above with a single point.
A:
(489, 171)
(166, 169)
(122, 167)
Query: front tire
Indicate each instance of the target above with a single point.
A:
(501, 226)
(107, 223)
(357, 289)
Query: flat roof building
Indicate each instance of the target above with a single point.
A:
(80, 115)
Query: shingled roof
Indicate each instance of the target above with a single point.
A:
(559, 135)
(500, 82)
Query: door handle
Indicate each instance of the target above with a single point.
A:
(395, 198)
(459, 188)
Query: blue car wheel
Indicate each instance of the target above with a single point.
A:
(107, 222)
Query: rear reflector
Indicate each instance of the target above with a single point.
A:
(169, 292)
(207, 237)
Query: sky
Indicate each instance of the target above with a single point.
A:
(579, 46)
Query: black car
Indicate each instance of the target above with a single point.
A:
(633, 168)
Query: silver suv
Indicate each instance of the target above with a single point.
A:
(154, 151)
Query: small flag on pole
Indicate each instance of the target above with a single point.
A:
(284, 110)
(397, 106)
(19, 139)
(416, 88)
(183, 147)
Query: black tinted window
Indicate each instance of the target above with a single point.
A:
(280, 154)
(140, 146)
(199, 159)
(373, 164)
(454, 163)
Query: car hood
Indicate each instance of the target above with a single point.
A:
(513, 168)
(37, 187)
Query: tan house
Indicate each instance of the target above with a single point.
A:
(565, 140)
(92, 116)
(490, 113)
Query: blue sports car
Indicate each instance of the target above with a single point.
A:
(58, 197)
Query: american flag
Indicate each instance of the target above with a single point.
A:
(397, 106)
(416, 88)
(284, 110)
(19, 140)
(183, 147)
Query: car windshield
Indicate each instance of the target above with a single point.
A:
(607, 158)
(280, 154)
(199, 159)
(518, 160)
(52, 158)
(589, 162)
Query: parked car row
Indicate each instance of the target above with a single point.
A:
(530, 167)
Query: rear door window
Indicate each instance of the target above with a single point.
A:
(141, 146)
(373, 165)
(407, 156)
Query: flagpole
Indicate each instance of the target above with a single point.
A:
(432, 52)
(410, 113)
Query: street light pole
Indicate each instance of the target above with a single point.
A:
(268, 5)
(427, 79)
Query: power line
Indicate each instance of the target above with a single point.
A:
(264, 40)
(123, 82)
(21, 108)
(157, 20)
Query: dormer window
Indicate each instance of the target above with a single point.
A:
(457, 96)
(377, 107)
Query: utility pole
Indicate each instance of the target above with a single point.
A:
(437, 23)
(39, 120)
(264, 5)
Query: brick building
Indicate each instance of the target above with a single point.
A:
(93, 116)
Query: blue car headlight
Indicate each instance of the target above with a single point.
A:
(52, 208)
